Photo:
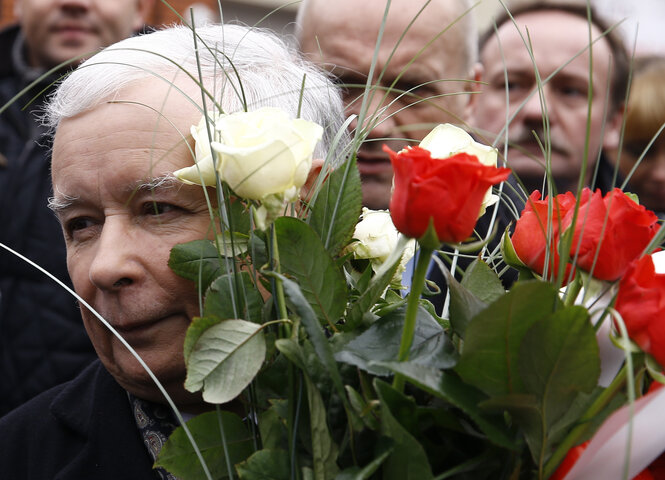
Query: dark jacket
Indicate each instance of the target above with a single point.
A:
(83, 429)
(42, 340)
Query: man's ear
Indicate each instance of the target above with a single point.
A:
(314, 172)
(143, 11)
(18, 9)
(613, 126)
(473, 88)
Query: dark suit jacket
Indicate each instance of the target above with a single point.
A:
(81, 430)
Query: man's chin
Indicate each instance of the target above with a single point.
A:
(376, 195)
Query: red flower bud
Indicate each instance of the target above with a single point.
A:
(449, 192)
(531, 230)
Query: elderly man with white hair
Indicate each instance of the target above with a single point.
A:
(121, 129)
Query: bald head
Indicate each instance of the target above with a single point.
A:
(446, 19)
(426, 57)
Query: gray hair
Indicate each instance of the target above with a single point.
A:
(244, 69)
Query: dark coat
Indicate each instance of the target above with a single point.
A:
(83, 429)
(42, 340)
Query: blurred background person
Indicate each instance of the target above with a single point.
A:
(645, 118)
(419, 80)
(42, 340)
(555, 115)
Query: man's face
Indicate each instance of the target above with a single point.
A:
(57, 31)
(120, 223)
(556, 37)
(342, 36)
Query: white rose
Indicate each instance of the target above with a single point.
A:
(258, 153)
(203, 171)
(446, 140)
(376, 238)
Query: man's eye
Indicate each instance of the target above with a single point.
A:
(571, 91)
(79, 223)
(158, 208)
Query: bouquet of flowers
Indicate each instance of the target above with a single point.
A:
(323, 366)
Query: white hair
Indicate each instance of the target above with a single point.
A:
(246, 68)
(466, 26)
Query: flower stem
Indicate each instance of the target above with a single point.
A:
(573, 291)
(584, 422)
(412, 303)
(279, 286)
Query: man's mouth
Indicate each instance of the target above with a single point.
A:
(373, 164)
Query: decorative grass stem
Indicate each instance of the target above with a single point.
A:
(417, 285)
(576, 433)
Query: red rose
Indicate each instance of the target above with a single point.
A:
(641, 303)
(626, 228)
(569, 461)
(530, 236)
(449, 191)
(573, 456)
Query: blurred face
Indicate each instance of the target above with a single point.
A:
(509, 70)
(121, 215)
(648, 180)
(341, 36)
(59, 30)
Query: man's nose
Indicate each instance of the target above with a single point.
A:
(379, 119)
(115, 264)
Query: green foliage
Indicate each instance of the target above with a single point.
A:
(224, 359)
(178, 456)
(302, 255)
(233, 296)
(493, 338)
(197, 261)
(337, 207)
(490, 391)
(380, 343)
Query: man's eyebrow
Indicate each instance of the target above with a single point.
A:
(163, 182)
(60, 202)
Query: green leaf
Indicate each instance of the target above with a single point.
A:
(197, 261)
(362, 306)
(324, 450)
(225, 359)
(558, 359)
(302, 255)
(178, 456)
(266, 465)
(336, 208)
(383, 448)
(232, 244)
(272, 428)
(239, 217)
(408, 460)
(450, 388)
(483, 282)
(490, 358)
(300, 305)
(198, 326)
(479, 287)
(381, 342)
(229, 290)
(362, 409)
(464, 305)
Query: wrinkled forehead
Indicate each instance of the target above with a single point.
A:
(552, 29)
(147, 116)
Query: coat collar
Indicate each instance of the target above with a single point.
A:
(98, 410)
